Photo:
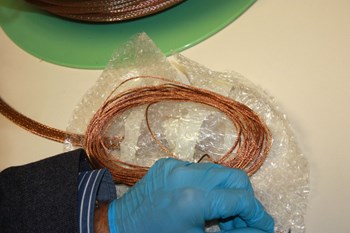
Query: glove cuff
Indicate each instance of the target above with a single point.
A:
(112, 217)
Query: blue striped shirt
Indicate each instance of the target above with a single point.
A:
(95, 185)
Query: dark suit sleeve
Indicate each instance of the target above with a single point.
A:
(42, 196)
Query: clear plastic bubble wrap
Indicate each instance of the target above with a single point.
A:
(190, 130)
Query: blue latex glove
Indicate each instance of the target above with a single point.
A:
(179, 197)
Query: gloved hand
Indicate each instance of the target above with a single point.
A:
(179, 197)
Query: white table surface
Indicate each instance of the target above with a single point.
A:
(298, 51)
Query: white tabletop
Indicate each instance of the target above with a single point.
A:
(298, 51)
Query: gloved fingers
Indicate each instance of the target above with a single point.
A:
(232, 223)
(158, 174)
(152, 181)
(203, 166)
(216, 174)
(243, 230)
(208, 176)
(238, 203)
(224, 176)
(229, 178)
(164, 166)
(195, 230)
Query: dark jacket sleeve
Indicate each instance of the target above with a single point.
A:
(42, 196)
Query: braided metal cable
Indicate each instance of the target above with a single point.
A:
(103, 10)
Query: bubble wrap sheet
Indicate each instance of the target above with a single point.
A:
(190, 130)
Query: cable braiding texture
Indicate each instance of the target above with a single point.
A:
(103, 10)
(36, 127)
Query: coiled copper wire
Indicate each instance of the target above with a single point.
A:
(103, 10)
(248, 152)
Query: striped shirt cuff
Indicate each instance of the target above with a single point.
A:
(95, 185)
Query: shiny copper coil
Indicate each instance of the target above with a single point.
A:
(103, 10)
(248, 152)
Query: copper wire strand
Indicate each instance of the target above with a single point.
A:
(164, 148)
(36, 127)
(248, 152)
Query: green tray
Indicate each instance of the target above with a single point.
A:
(89, 46)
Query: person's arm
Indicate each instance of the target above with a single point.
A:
(101, 218)
(56, 194)
(41, 196)
(95, 187)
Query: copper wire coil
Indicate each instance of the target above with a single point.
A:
(248, 152)
(103, 10)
